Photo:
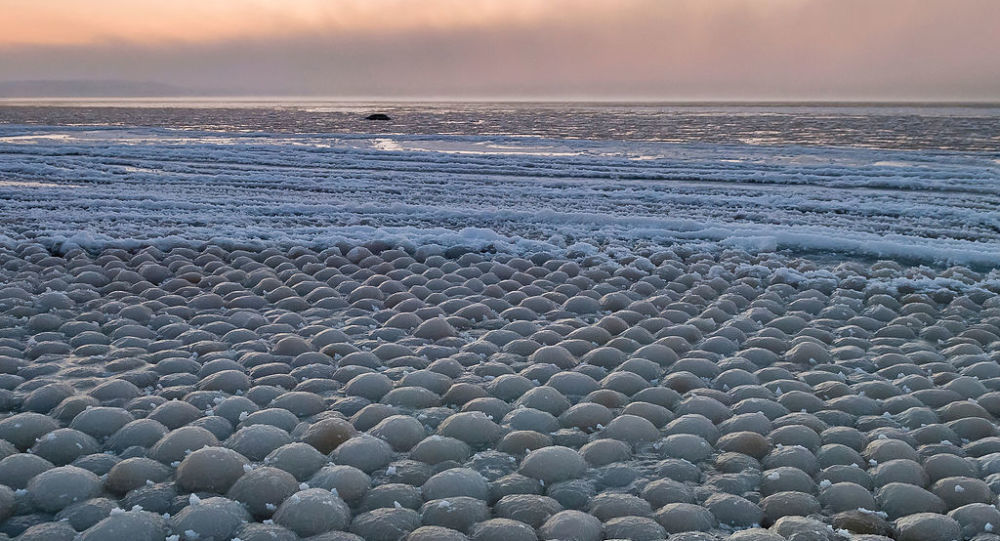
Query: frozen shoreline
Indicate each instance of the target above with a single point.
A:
(337, 338)
(125, 187)
(182, 394)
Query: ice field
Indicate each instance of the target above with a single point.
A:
(270, 335)
(129, 187)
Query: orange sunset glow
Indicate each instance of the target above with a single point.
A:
(670, 49)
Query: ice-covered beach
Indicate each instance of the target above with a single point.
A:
(129, 187)
(225, 332)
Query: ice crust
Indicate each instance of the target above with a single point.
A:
(130, 187)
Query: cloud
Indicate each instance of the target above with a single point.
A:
(70, 22)
(742, 49)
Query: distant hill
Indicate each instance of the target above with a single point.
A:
(91, 89)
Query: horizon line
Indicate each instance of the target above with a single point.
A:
(541, 99)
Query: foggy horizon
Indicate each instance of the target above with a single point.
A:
(540, 99)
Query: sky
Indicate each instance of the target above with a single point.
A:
(518, 49)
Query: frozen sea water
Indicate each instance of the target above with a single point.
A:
(921, 185)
